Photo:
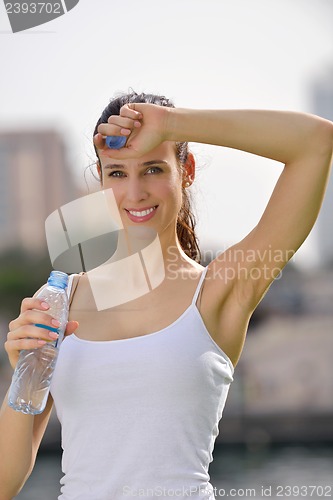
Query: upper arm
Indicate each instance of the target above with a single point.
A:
(286, 221)
(243, 273)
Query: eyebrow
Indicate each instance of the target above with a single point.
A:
(144, 164)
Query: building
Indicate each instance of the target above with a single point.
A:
(34, 181)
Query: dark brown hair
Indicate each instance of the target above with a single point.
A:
(186, 221)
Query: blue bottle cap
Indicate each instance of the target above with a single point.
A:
(58, 279)
(115, 141)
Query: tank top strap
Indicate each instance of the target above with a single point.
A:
(198, 289)
(69, 285)
(73, 280)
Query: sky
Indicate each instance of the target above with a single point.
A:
(226, 54)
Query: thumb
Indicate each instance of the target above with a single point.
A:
(71, 327)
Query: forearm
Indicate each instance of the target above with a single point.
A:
(279, 135)
(16, 432)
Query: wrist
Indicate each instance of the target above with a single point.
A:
(175, 127)
(192, 125)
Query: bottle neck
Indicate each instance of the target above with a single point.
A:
(58, 279)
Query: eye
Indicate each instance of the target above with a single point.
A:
(116, 173)
(154, 170)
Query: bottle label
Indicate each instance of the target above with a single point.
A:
(50, 328)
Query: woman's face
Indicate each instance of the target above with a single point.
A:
(148, 190)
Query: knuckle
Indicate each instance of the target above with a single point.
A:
(25, 302)
(22, 344)
(24, 332)
(19, 344)
(25, 316)
(129, 122)
(11, 325)
(28, 315)
(101, 128)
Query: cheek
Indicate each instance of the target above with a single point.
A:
(175, 185)
(172, 191)
(114, 195)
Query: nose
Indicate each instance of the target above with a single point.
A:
(136, 190)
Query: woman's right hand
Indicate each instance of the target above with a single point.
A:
(144, 125)
(23, 334)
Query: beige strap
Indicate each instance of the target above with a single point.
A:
(75, 278)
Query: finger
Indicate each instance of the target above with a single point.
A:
(118, 125)
(123, 127)
(99, 141)
(100, 144)
(71, 327)
(32, 317)
(34, 303)
(130, 111)
(34, 332)
(124, 153)
(107, 129)
(122, 122)
(25, 343)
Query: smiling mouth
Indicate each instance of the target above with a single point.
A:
(142, 215)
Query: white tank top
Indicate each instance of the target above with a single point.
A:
(140, 416)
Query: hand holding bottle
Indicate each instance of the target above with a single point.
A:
(144, 125)
(23, 334)
(34, 369)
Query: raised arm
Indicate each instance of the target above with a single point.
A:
(302, 142)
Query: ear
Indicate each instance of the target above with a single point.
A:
(189, 170)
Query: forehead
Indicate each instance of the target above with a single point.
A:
(165, 151)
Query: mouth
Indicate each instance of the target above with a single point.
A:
(141, 215)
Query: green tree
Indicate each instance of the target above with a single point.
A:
(21, 274)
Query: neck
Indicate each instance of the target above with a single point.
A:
(152, 246)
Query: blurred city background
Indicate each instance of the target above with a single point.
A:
(277, 427)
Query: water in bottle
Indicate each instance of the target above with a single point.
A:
(32, 376)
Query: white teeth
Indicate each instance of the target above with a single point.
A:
(143, 213)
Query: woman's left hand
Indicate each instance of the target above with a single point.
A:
(145, 126)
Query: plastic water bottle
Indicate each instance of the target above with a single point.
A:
(115, 141)
(33, 373)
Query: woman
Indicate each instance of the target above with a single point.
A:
(140, 387)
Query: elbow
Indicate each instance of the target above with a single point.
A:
(323, 137)
(10, 492)
(328, 133)
(11, 486)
